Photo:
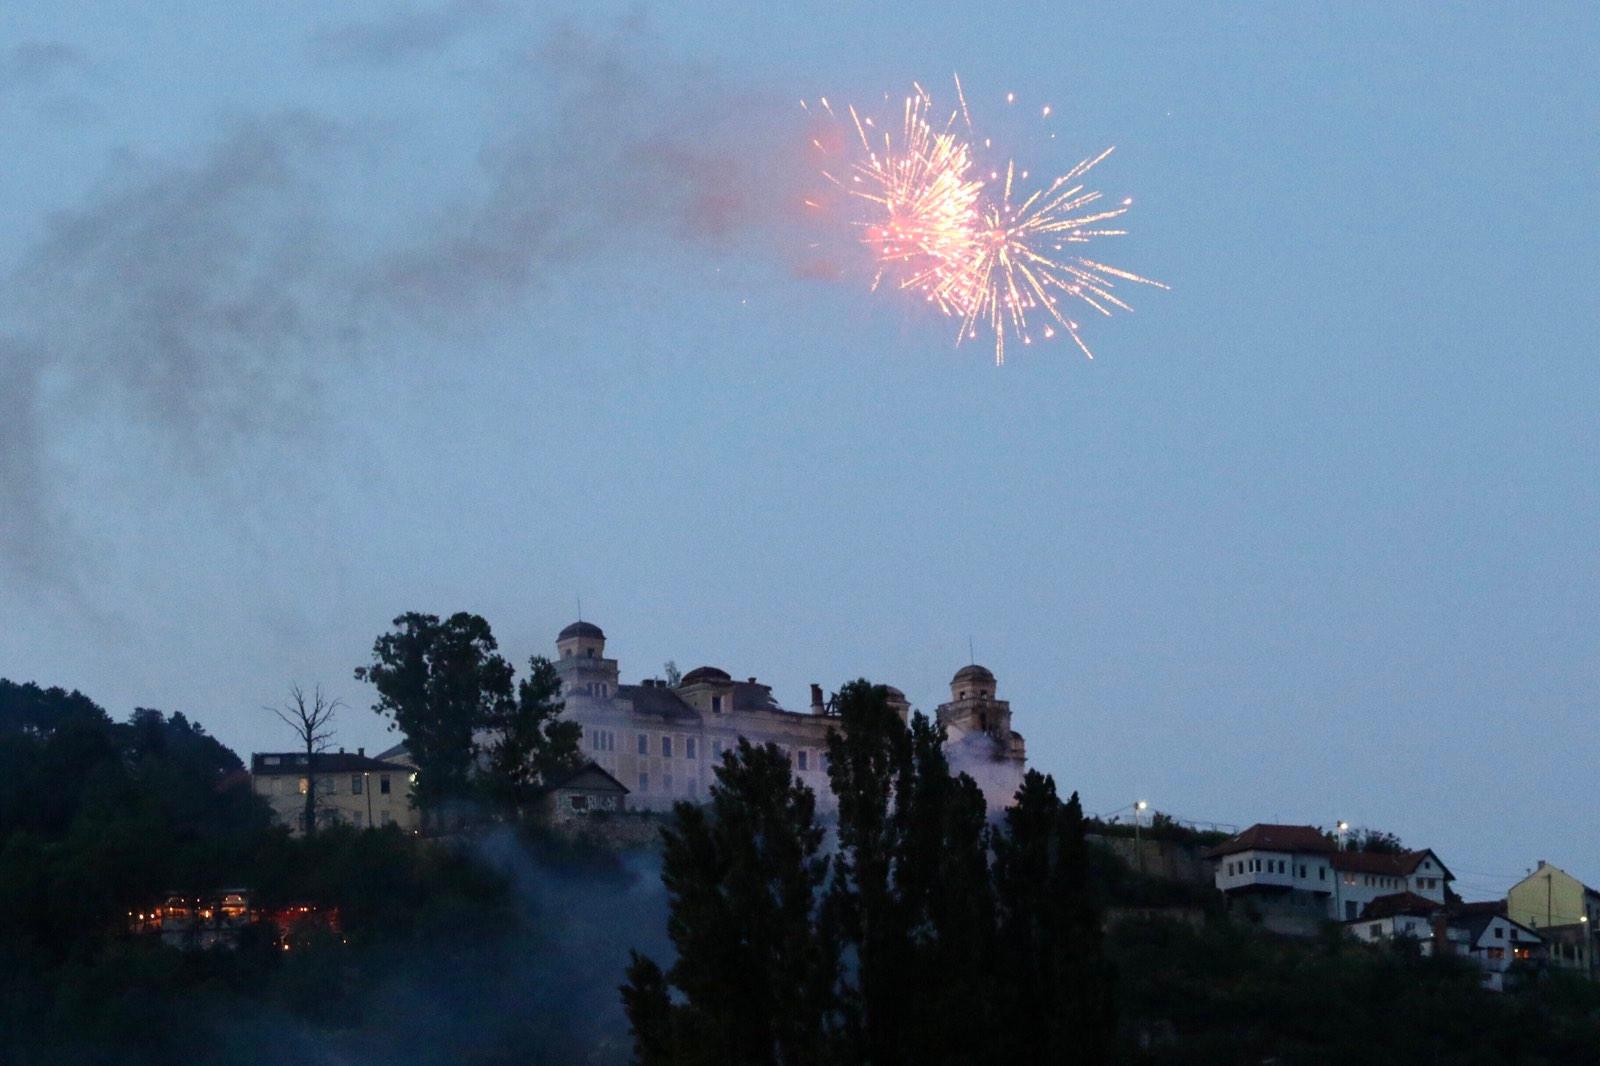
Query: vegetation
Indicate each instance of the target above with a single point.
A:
(927, 936)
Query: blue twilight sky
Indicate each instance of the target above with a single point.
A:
(308, 319)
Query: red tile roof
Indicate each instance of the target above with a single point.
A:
(1287, 838)
(1403, 864)
(1408, 903)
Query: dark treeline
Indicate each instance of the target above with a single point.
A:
(911, 928)
(924, 935)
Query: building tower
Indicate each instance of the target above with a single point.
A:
(581, 663)
(973, 709)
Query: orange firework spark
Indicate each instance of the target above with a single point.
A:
(981, 255)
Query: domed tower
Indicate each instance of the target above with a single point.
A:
(973, 708)
(581, 662)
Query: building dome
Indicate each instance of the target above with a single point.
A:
(972, 675)
(702, 674)
(582, 629)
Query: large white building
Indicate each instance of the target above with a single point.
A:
(662, 741)
(1295, 876)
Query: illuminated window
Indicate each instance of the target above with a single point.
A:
(305, 785)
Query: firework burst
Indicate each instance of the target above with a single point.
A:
(978, 247)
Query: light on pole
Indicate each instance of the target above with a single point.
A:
(1138, 819)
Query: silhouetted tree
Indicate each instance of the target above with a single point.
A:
(1057, 983)
(743, 875)
(532, 742)
(311, 719)
(440, 681)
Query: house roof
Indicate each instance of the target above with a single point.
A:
(658, 701)
(268, 763)
(1265, 837)
(1398, 903)
(704, 674)
(753, 696)
(581, 629)
(1400, 864)
(1474, 919)
(591, 775)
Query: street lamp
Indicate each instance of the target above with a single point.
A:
(1138, 846)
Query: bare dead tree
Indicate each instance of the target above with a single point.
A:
(311, 718)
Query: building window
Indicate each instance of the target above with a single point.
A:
(802, 759)
(644, 744)
(716, 704)
(666, 748)
(666, 783)
(688, 748)
(578, 803)
(355, 786)
(305, 785)
(1499, 933)
(644, 782)
(383, 784)
(1322, 873)
(388, 818)
(716, 749)
(1377, 929)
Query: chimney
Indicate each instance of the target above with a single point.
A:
(752, 680)
(816, 699)
(361, 752)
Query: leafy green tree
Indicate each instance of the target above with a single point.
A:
(440, 682)
(532, 742)
(753, 982)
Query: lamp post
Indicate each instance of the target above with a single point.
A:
(1138, 845)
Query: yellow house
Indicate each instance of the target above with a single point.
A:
(1564, 910)
(351, 789)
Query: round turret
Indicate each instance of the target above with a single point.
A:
(581, 640)
(703, 674)
(972, 682)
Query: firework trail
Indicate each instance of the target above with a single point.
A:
(993, 258)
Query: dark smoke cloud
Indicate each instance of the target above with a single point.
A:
(405, 32)
(201, 301)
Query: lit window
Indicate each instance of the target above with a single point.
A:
(305, 785)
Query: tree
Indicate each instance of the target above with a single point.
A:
(673, 674)
(755, 980)
(441, 682)
(312, 723)
(532, 742)
(1057, 989)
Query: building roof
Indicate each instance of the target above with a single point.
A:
(267, 763)
(657, 700)
(1265, 837)
(974, 672)
(1400, 903)
(1400, 864)
(1474, 918)
(753, 696)
(704, 673)
(590, 775)
(581, 629)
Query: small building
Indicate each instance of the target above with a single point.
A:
(1397, 916)
(581, 794)
(352, 789)
(1563, 911)
(1484, 933)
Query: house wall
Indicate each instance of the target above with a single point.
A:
(1274, 869)
(679, 757)
(338, 799)
(1557, 905)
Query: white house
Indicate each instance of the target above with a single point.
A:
(1364, 876)
(1294, 877)
(1483, 933)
